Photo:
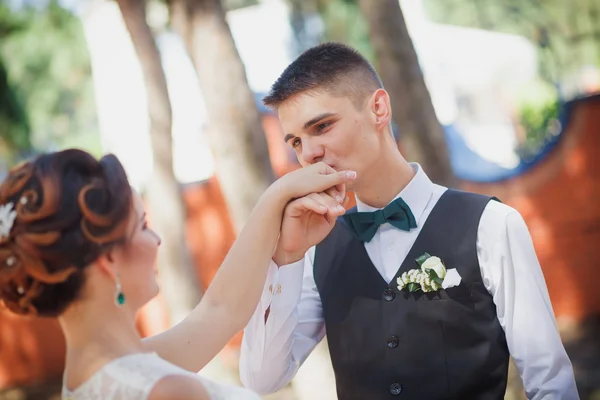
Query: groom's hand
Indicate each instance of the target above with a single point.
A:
(306, 222)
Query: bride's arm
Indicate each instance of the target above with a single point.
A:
(234, 293)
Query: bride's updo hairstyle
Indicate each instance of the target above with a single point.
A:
(58, 214)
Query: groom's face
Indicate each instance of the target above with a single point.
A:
(322, 127)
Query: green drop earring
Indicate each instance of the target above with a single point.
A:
(119, 296)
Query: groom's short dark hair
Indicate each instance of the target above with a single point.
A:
(332, 67)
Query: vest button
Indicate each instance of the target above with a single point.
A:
(388, 294)
(395, 389)
(392, 342)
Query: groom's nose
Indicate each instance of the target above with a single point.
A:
(311, 152)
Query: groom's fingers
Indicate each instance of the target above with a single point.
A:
(326, 200)
(346, 201)
(337, 194)
(299, 206)
(335, 209)
(319, 203)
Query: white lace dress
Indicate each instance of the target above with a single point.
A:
(133, 377)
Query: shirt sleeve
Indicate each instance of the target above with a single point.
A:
(272, 351)
(512, 274)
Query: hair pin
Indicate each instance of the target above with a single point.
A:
(7, 219)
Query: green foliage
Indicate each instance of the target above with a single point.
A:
(540, 122)
(567, 33)
(567, 36)
(235, 4)
(14, 125)
(345, 23)
(49, 69)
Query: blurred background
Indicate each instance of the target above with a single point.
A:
(494, 96)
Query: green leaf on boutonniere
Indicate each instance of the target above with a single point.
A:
(413, 287)
(421, 259)
(434, 276)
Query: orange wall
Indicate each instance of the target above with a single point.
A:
(559, 200)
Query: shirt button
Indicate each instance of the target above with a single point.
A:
(395, 389)
(392, 342)
(390, 247)
(278, 289)
(388, 294)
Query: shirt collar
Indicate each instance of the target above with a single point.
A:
(416, 194)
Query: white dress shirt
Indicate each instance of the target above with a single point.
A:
(273, 351)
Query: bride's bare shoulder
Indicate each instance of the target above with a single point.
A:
(179, 387)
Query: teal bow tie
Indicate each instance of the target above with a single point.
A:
(365, 224)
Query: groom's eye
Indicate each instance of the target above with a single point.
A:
(295, 142)
(323, 126)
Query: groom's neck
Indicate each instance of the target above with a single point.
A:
(384, 180)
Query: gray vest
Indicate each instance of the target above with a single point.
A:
(387, 344)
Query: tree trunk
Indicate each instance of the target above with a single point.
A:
(420, 132)
(165, 202)
(235, 133)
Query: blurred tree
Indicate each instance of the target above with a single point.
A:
(343, 22)
(567, 33)
(236, 136)
(167, 210)
(420, 132)
(14, 122)
(48, 67)
(14, 125)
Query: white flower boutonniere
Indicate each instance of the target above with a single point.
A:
(430, 277)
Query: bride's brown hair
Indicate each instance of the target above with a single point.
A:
(70, 209)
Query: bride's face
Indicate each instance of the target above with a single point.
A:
(136, 259)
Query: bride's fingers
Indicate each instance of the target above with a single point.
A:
(340, 179)
(335, 180)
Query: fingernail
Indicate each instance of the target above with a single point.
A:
(350, 174)
(339, 198)
(341, 209)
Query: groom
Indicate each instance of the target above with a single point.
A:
(423, 337)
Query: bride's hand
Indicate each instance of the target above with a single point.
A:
(314, 178)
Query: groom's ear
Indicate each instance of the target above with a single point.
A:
(381, 109)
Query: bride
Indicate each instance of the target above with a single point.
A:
(75, 245)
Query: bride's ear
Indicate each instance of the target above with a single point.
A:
(106, 264)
